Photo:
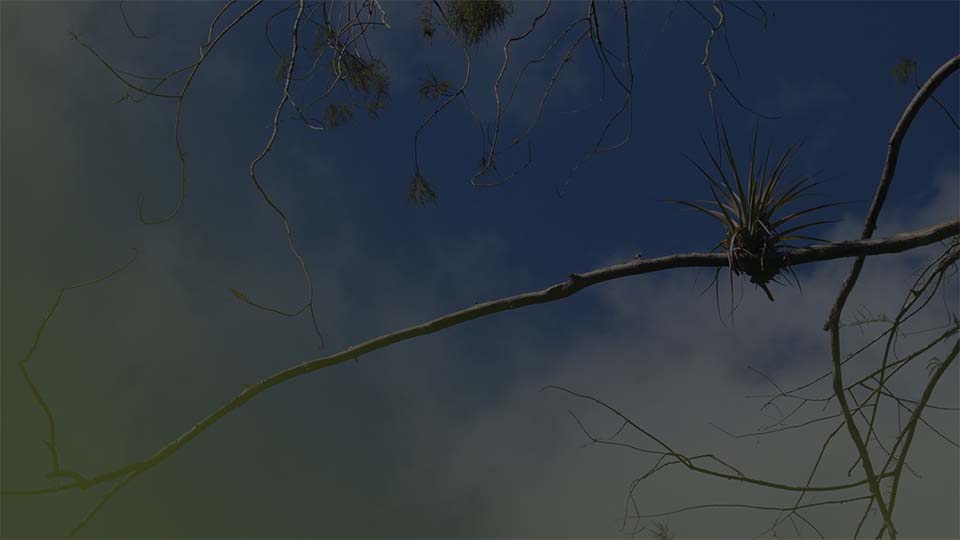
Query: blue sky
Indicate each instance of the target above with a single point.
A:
(446, 435)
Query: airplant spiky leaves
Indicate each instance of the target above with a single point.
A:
(750, 207)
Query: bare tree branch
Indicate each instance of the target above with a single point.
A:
(55, 469)
(833, 323)
(575, 284)
(268, 146)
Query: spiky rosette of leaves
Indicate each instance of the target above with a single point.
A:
(753, 205)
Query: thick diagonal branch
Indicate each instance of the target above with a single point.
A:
(575, 284)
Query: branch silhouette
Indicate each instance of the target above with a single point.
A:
(870, 225)
(576, 283)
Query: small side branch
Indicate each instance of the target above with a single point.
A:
(56, 471)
